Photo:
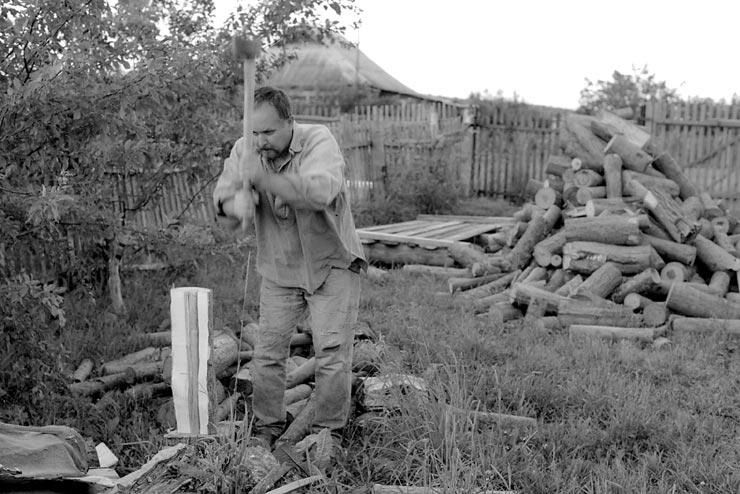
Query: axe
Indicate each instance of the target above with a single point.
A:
(248, 51)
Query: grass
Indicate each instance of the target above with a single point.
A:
(613, 416)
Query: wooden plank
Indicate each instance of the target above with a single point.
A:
(472, 231)
(404, 239)
(429, 229)
(390, 227)
(493, 220)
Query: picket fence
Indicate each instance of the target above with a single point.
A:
(511, 145)
(704, 139)
(491, 154)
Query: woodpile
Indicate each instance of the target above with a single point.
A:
(615, 242)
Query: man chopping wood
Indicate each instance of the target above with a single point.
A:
(291, 184)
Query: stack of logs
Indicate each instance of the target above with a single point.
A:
(616, 241)
(146, 374)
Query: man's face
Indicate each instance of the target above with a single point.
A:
(272, 134)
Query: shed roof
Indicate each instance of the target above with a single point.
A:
(334, 66)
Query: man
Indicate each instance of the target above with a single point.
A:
(308, 254)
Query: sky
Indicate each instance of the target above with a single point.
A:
(542, 51)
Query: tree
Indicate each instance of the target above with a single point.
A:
(624, 91)
(96, 91)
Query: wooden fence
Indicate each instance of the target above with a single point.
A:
(511, 145)
(705, 140)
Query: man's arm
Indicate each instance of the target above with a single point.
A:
(233, 204)
(318, 180)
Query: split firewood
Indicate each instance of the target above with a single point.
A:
(570, 287)
(522, 293)
(602, 282)
(531, 188)
(579, 141)
(527, 213)
(467, 254)
(537, 273)
(720, 282)
(607, 124)
(226, 408)
(535, 311)
(672, 251)
(674, 272)
(652, 182)
(546, 197)
(537, 229)
(83, 370)
(681, 324)
(588, 178)
(617, 230)
(549, 246)
(158, 339)
(634, 301)
(585, 194)
(524, 273)
(148, 354)
(705, 228)
(549, 324)
(556, 280)
(554, 182)
(557, 164)
(148, 390)
(587, 257)
(583, 312)
(613, 176)
(689, 301)
(665, 164)
(733, 297)
(723, 240)
(644, 282)
(715, 257)
(711, 208)
(664, 208)
(484, 303)
(502, 312)
(441, 271)
(462, 284)
(597, 207)
(616, 333)
(303, 373)
(655, 314)
(406, 254)
(103, 383)
(633, 158)
(692, 207)
(490, 288)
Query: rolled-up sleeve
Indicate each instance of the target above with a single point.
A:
(230, 179)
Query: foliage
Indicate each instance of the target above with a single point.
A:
(419, 183)
(625, 91)
(30, 317)
(94, 93)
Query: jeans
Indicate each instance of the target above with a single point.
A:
(333, 312)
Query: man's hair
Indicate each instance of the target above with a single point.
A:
(277, 98)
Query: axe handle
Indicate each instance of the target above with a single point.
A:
(247, 128)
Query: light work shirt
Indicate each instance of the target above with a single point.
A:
(299, 243)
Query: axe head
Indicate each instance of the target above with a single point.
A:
(243, 48)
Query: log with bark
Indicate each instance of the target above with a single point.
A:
(715, 257)
(618, 230)
(689, 301)
(572, 311)
(521, 255)
(646, 281)
(602, 282)
(670, 250)
(613, 176)
(406, 254)
(587, 257)
(616, 333)
(680, 324)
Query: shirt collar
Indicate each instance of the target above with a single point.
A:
(296, 146)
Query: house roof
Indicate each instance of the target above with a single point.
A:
(334, 66)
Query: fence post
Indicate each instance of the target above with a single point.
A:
(377, 154)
